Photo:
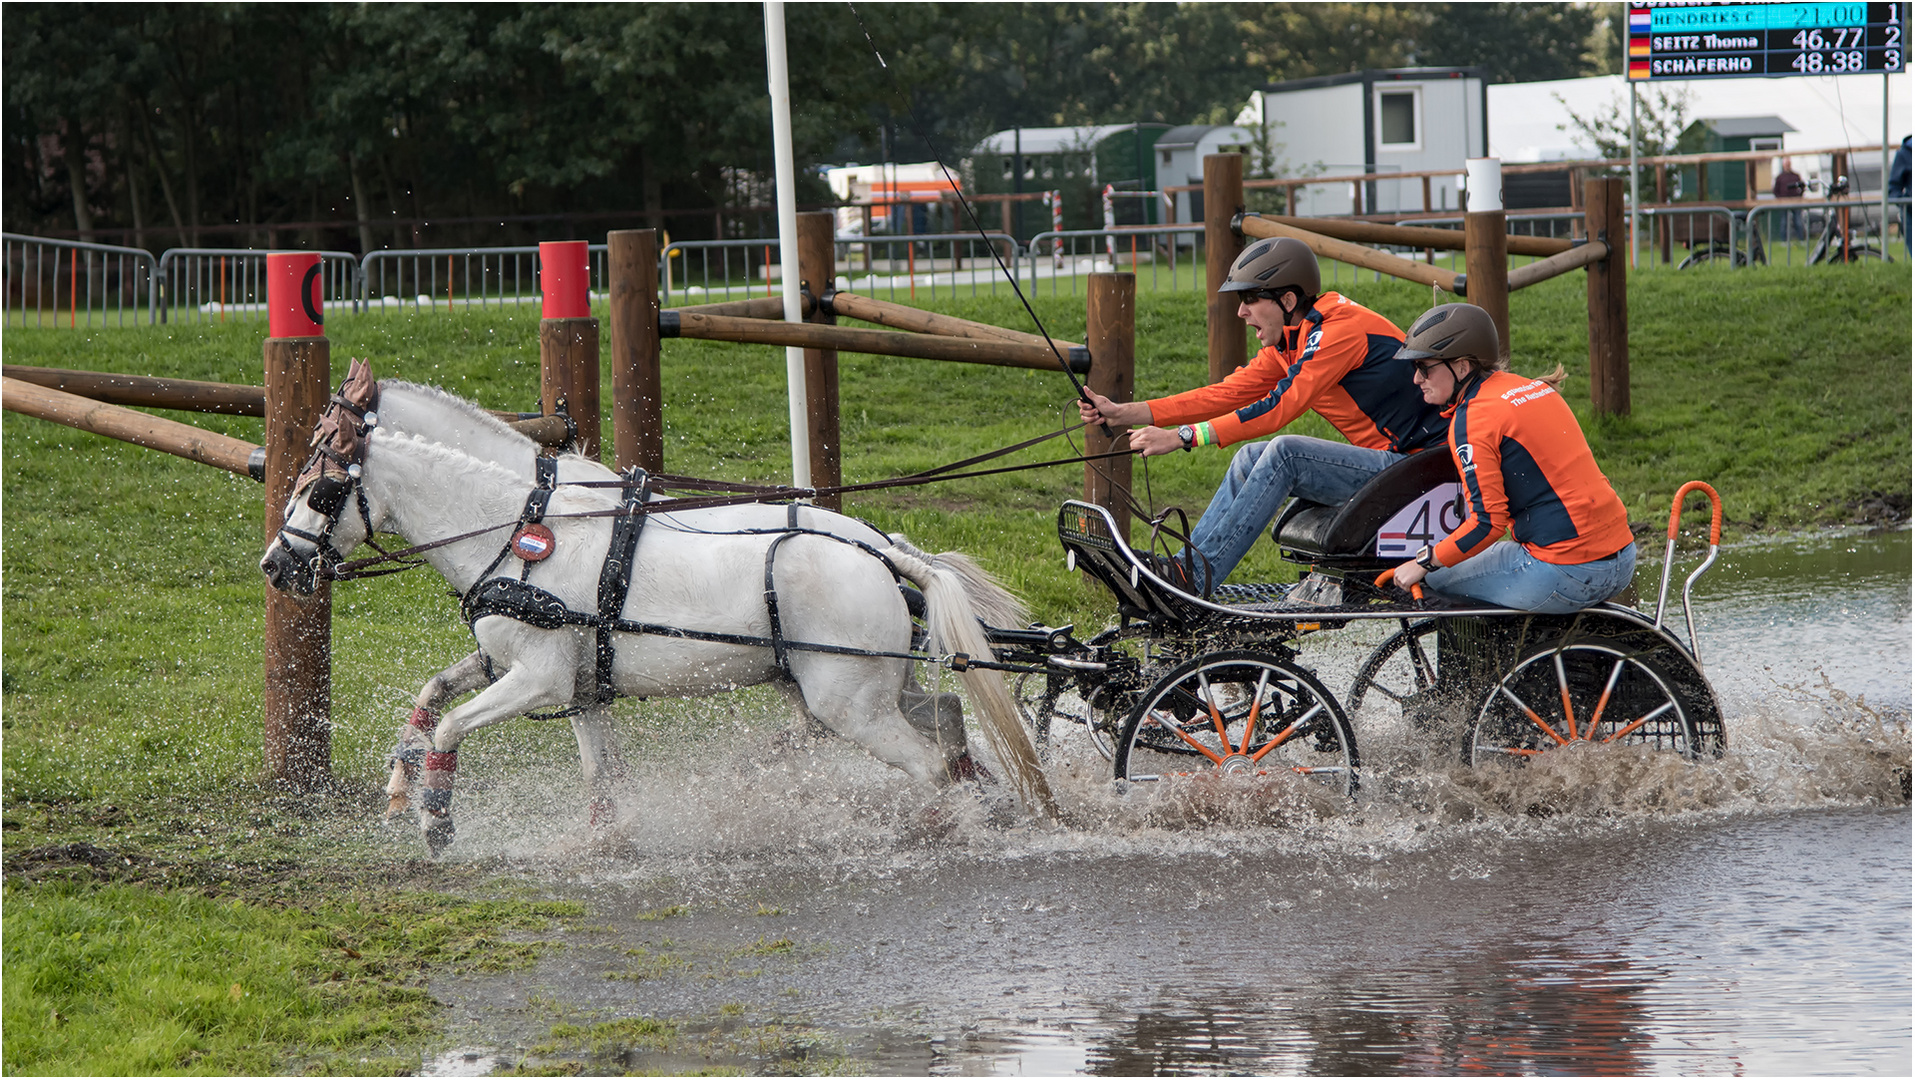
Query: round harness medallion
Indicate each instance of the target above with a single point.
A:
(533, 542)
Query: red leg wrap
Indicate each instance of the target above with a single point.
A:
(423, 718)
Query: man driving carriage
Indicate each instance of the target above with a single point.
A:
(1526, 468)
(1322, 352)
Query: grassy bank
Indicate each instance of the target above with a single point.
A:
(131, 665)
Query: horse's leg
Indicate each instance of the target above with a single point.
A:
(415, 735)
(600, 759)
(939, 717)
(858, 698)
(539, 673)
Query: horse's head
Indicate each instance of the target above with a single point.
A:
(318, 534)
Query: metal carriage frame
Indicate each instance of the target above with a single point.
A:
(1185, 685)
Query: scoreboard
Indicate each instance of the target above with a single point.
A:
(1732, 41)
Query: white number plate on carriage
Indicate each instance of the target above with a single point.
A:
(1429, 519)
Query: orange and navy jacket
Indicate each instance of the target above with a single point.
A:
(1344, 366)
(1527, 468)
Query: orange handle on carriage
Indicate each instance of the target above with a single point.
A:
(1669, 559)
(1715, 521)
(1383, 579)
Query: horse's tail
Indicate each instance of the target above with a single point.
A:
(954, 589)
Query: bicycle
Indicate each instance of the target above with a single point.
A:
(1841, 244)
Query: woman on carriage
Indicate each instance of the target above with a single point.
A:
(1526, 468)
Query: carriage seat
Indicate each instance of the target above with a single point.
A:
(1344, 536)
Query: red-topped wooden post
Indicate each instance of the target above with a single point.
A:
(298, 638)
(568, 339)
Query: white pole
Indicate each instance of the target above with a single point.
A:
(1635, 179)
(780, 81)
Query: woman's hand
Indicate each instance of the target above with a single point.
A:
(1408, 574)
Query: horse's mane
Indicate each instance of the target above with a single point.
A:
(446, 460)
(472, 410)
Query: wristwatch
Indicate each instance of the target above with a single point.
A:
(1189, 436)
(1426, 558)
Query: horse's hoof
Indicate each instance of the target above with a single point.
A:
(604, 811)
(966, 767)
(396, 805)
(439, 836)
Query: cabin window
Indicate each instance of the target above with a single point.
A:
(1399, 119)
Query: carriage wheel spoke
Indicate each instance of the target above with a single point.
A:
(1177, 729)
(1284, 736)
(1569, 710)
(1602, 702)
(1533, 718)
(1641, 720)
(1205, 695)
(1256, 707)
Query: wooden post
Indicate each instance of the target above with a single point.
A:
(1223, 200)
(1662, 221)
(568, 340)
(818, 274)
(1608, 299)
(1486, 245)
(638, 412)
(1110, 328)
(298, 631)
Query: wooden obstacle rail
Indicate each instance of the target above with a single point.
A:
(973, 350)
(231, 399)
(1563, 255)
(639, 326)
(131, 425)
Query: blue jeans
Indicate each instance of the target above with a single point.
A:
(1261, 477)
(1507, 575)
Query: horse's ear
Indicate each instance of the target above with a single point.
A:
(359, 385)
(347, 442)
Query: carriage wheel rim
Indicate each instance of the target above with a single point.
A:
(1239, 714)
(1550, 715)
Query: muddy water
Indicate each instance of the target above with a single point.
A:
(797, 908)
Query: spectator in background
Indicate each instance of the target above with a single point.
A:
(1789, 185)
(1898, 188)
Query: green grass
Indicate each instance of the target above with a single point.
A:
(126, 980)
(130, 666)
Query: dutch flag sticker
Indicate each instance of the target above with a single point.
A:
(532, 543)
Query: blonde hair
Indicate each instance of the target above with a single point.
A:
(1481, 366)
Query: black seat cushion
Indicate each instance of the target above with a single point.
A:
(1348, 532)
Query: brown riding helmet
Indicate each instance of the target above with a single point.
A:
(1452, 332)
(1271, 266)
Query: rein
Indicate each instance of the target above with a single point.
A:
(746, 493)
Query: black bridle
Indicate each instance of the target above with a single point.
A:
(328, 479)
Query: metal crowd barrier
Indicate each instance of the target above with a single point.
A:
(1789, 245)
(1721, 229)
(1073, 253)
(45, 279)
(701, 271)
(215, 284)
(434, 279)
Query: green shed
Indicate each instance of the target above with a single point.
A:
(1723, 135)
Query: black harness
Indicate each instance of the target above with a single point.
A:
(523, 602)
(520, 601)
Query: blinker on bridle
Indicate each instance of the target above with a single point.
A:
(330, 477)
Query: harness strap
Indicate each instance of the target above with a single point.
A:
(771, 601)
(615, 578)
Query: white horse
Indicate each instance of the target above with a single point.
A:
(462, 425)
(840, 610)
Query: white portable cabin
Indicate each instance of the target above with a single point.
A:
(1379, 121)
(1180, 160)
